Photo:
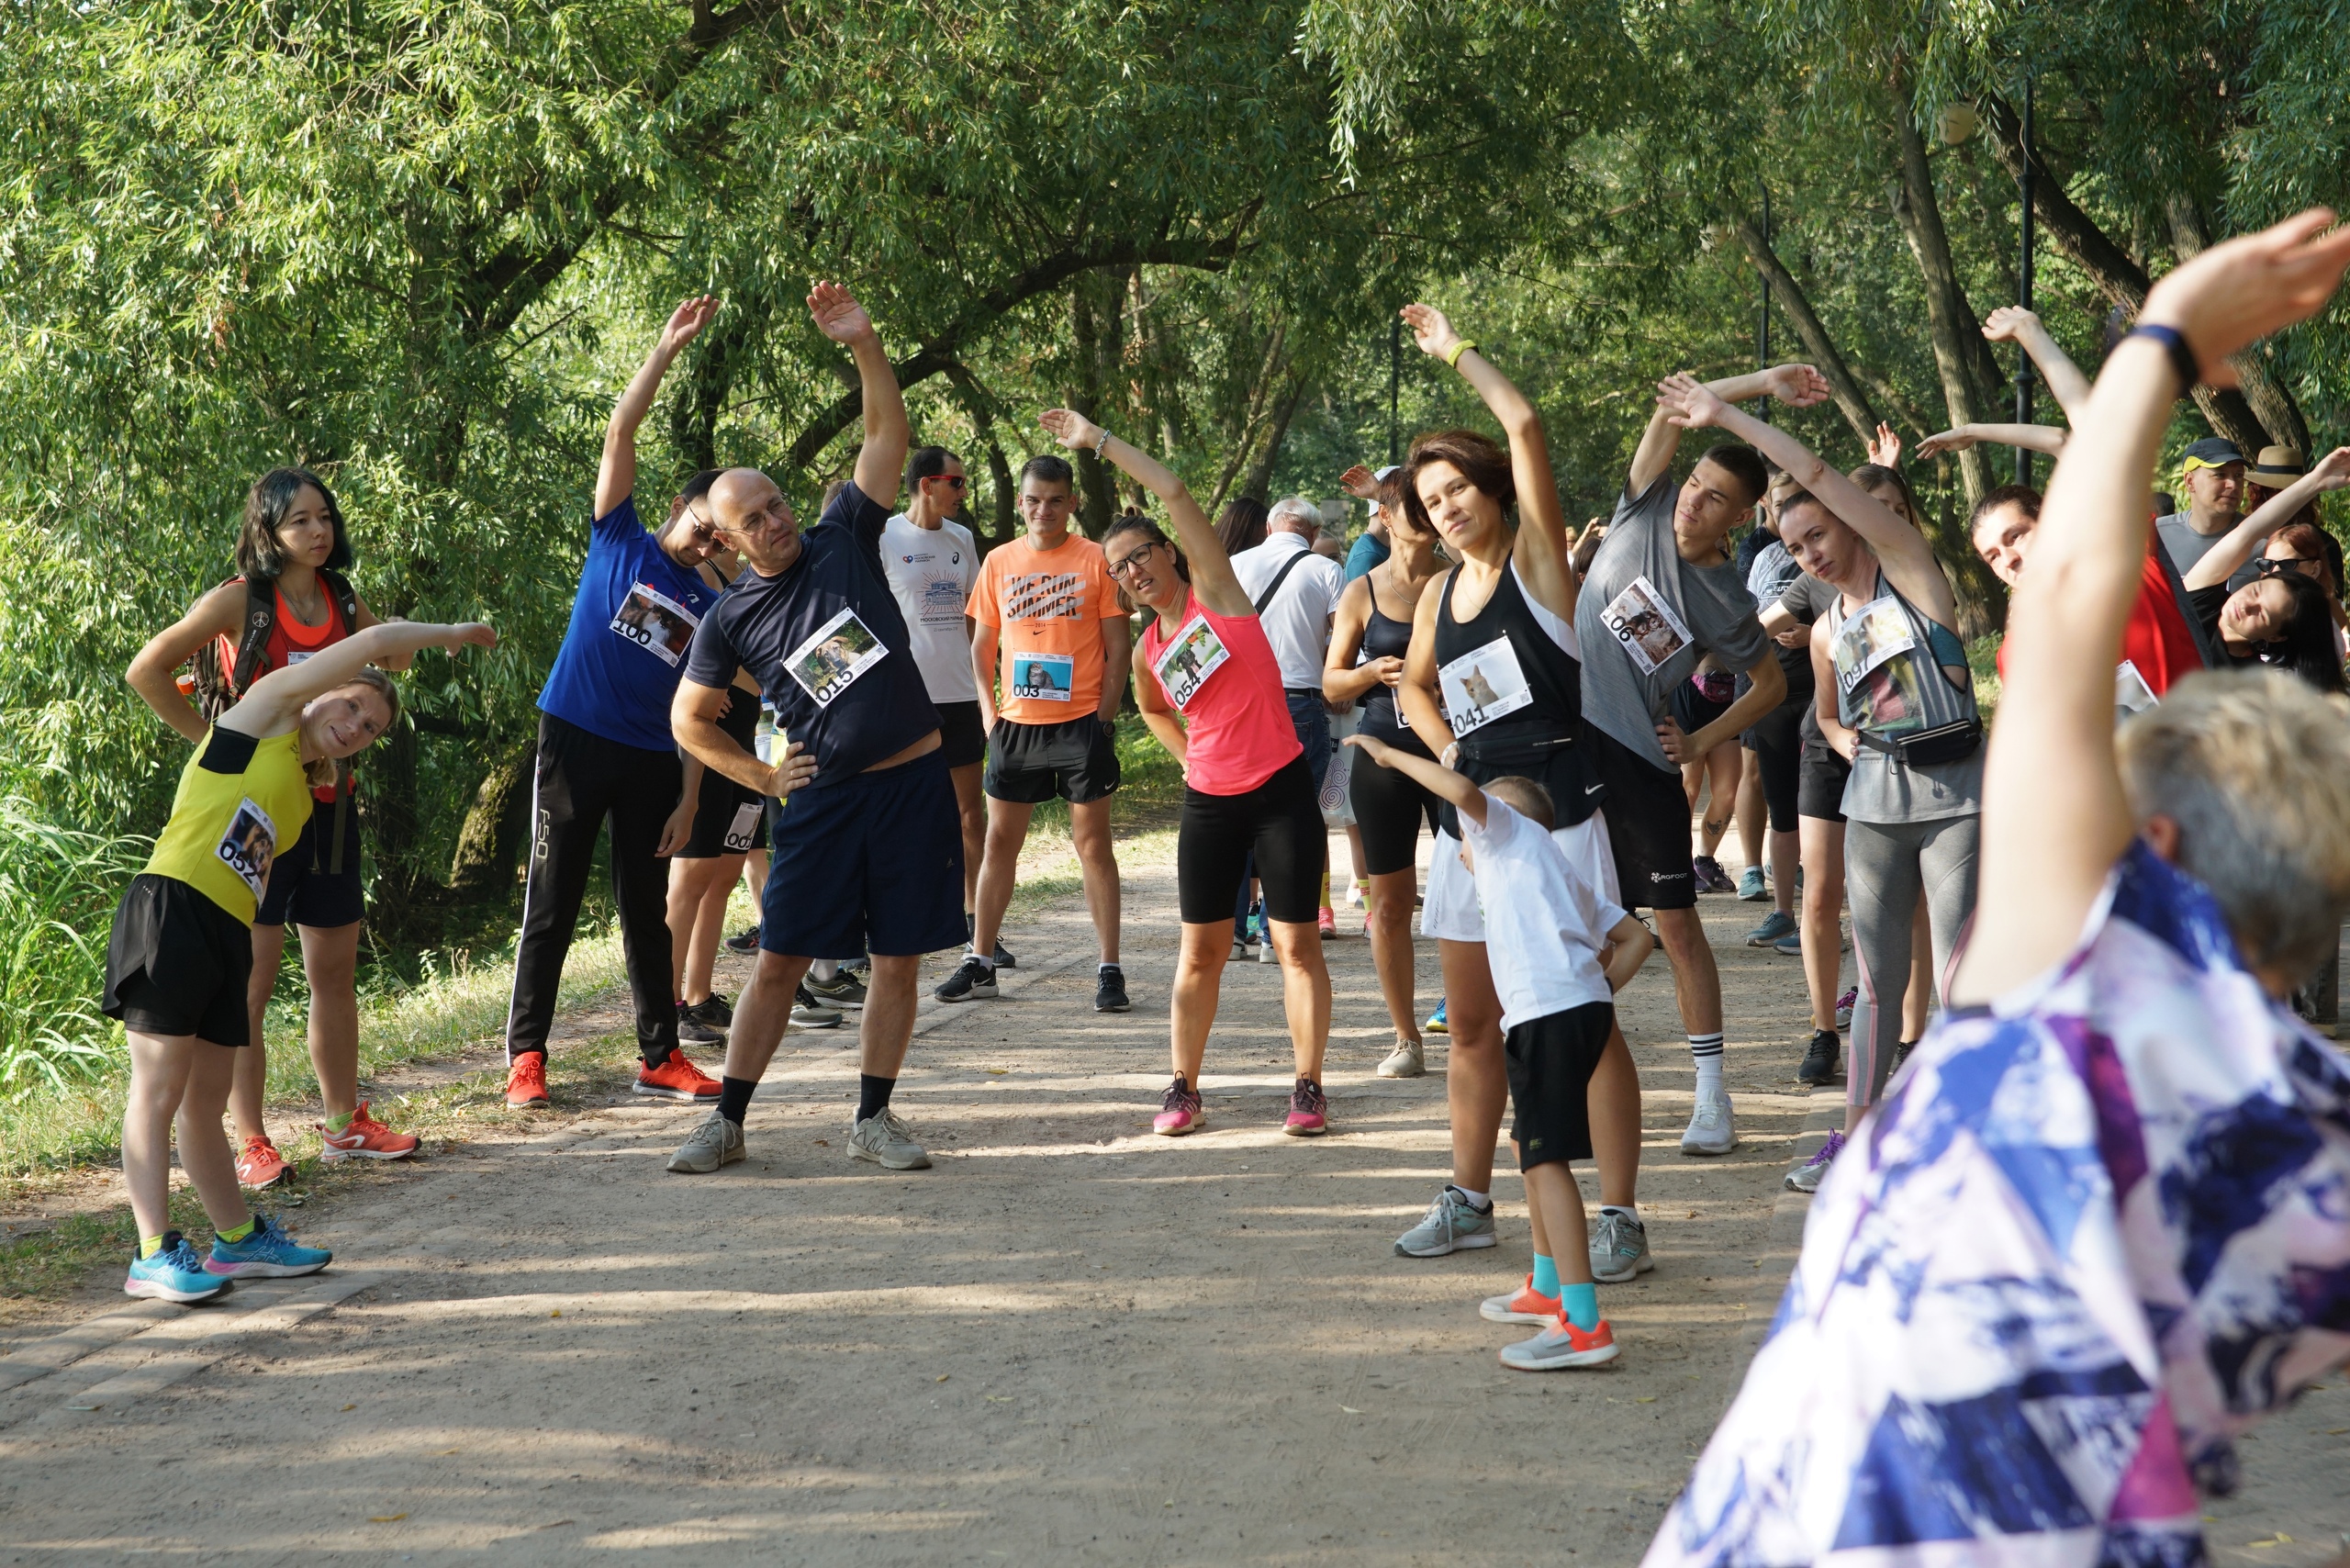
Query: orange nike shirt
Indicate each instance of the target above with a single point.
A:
(1046, 608)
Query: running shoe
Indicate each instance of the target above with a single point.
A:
(365, 1138)
(885, 1140)
(1750, 886)
(174, 1273)
(1180, 1110)
(676, 1078)
(1327, 921)
(1309, 1111)
(1354, 896)
(1790, 945)
(1527, 1305)
(1436, 1025)
(714, 1142)
(266, 1253)
(971, 980)
(1408, 1059)
(1712, 1128)
(1844, 1007)
(1452, 1224)
(1775, 925)
(526, 1081)
(743, 941)
(1900, 1055)
(259, 1164)
(1241, 953)
(1805, 1178)
(1619, 1248)
(844, 990)
(695, 1029)
(1561, 1345)
(1110, 990)
(1819, 1055)
(1003, 960)
(811, 1013)
(1712, 878)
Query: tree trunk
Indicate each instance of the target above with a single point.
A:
(980, 409)
(1921, 225)
(1260, 473)
(1850, 400)
(1268, 375)
(494, 826)
(708, 380)
(2267, 397)
(1094, 317)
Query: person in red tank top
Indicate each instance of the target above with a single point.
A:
(2157, 643)
(292, 537)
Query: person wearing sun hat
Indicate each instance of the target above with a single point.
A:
(2275, 468)
(2212, 474)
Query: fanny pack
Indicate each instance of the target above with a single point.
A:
(1924, 748)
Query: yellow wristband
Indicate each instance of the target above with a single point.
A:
(1462, 347)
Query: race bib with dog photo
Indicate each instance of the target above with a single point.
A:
(1647, 625)
(248, 845)
(1185, 663)
(1482, 685)
(829, 663)
(651, 619)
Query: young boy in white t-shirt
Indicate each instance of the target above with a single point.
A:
(1560, 952)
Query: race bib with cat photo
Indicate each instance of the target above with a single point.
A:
(1046, 677)
(1482, 685)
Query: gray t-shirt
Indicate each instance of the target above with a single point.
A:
(2186, 547)
(1645, 617)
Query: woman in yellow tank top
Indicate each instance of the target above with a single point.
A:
(182, 950)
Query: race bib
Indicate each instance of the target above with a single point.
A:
(829, 663)
(1482, 685)
(745, 824)
(651, 619)
(1045, 676)
(1876, 632)
(296, 655)
(1195, 653)
(1649, 629)
(2130, 692)
(248, 845)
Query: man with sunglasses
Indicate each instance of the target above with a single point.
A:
(606, 750)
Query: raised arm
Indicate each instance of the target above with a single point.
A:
(153, 670)
(882, 458)
(616, 478)
(2014, 324)
(277, 697)
(1797, 386)
(1213, 582)
(2055, 817)
(1435, 778)
(1540, 551)
(2237, 546)
(2049, 439)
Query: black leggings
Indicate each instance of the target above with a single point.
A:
(1389, 808)
(1278, 821)
(1776, 741)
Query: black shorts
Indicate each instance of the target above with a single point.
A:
(1278, 821)
(178, 963)
(1821, 791)
(729, 819)
(301, 887)
(960, 734)
(1550, 1060)
(1389, 807)
(872, 863)
(1692, 709)
(1776, 741)
(1648, 825)
(1030, 764)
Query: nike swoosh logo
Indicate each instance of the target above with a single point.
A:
(1592, 788)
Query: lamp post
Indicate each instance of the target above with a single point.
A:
(1394, 380)
(2024, 179)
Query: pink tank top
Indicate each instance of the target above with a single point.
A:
(1219, 672)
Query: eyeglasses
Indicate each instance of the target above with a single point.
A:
(1121, 569)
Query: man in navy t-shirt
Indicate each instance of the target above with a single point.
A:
(867, 853)
(605, 751)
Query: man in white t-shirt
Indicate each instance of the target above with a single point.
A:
(932, 561)
(1296, 592)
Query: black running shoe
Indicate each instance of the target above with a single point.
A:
(1110, 990)
(1818, 1057)
(1901, 1053)
(844, 990)
(743, 941)
(970, 981)
(695, 1029)
(1004, 961)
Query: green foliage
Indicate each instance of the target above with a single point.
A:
(56, 894)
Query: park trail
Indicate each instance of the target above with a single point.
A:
(1070, 1342)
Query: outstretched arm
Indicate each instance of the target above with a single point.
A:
(273, 700)
(1797, 386)
(2014, 324)
(2219, 562)
(882, 458)
(616, 479)
(1434, 776)
(2049, 439)
(1213, 582)
(2055, 817)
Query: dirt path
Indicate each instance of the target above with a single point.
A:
(1070, 1342)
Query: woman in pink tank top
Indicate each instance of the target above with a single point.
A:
(1211, 690)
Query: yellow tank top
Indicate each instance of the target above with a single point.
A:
(240, 801)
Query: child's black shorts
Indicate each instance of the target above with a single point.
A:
(1552, 1059)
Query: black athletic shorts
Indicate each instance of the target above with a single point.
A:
(1030, 764)
(729, 819)
(1692, 709)
(1389, 807)
(301, 887)
(960, 734)
(1550, 1060)
(1648, 825)
(1776, 741)
(178, 963)
(1278, 821)
(1821, 791)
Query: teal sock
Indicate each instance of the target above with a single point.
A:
(1580, 1305)
(1546, 1275)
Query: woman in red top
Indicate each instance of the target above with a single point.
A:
(293, 539)
(1211, 690)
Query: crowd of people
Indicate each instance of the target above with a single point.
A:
(1763, 638)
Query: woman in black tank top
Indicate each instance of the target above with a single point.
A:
(1366, 663)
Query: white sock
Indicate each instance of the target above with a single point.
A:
(1706, 1052)
(1476, 1200)
(1102, 969)
(985, 961)
(1630, 1211)
(824, 972)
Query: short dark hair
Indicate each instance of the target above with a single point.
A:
(697, 485)
(1741, 462)
(2000, 496)
(1241, 525)
(1481, 461)
(266, 504)
(926, 463)
(1049, 467)
(1527, 798)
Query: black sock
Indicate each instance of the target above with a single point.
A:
(735, 1098)
(872, 1096)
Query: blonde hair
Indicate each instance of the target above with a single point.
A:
(2255, 768)
(324, 772)
(1527, 798)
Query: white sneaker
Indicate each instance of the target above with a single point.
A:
(1712, 1129)
(714, 1142)
(1408, 1059)
(886, 1140)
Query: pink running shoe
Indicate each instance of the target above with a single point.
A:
(1309, 1111)
(1180, 1111)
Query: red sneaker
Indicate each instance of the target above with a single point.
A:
(676, 1079)
(1329, 922)
(526, 1081)
(1309, 1111)
(259, 1164)
(1180, 1111)
(1563, 1345)
(1528, 1305)
(365, 1138)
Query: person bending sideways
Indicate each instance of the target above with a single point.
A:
(1045, 603)
(182, 954)
(1560, 952)
(2100, 1225)
(867, 850)
(605, 750)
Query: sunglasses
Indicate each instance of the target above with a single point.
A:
(2277, 566)
(1121, 569)
(955, 479)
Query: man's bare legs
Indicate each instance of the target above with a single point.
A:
(1097, 859)
(971, 809)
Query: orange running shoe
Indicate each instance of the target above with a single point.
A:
(526, 1081)
(365, 1138)
(259, 1164)
(1528, 1305)
(1563, 1345)
(676, 1079)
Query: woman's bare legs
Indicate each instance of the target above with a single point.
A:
(179, 1079)
(1391, 948)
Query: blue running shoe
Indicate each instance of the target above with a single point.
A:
(268, 1253)
(1436, 1025)
(174, 1273)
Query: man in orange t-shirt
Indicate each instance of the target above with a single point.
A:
(1046, 611)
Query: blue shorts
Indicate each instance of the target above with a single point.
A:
(874, 865)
